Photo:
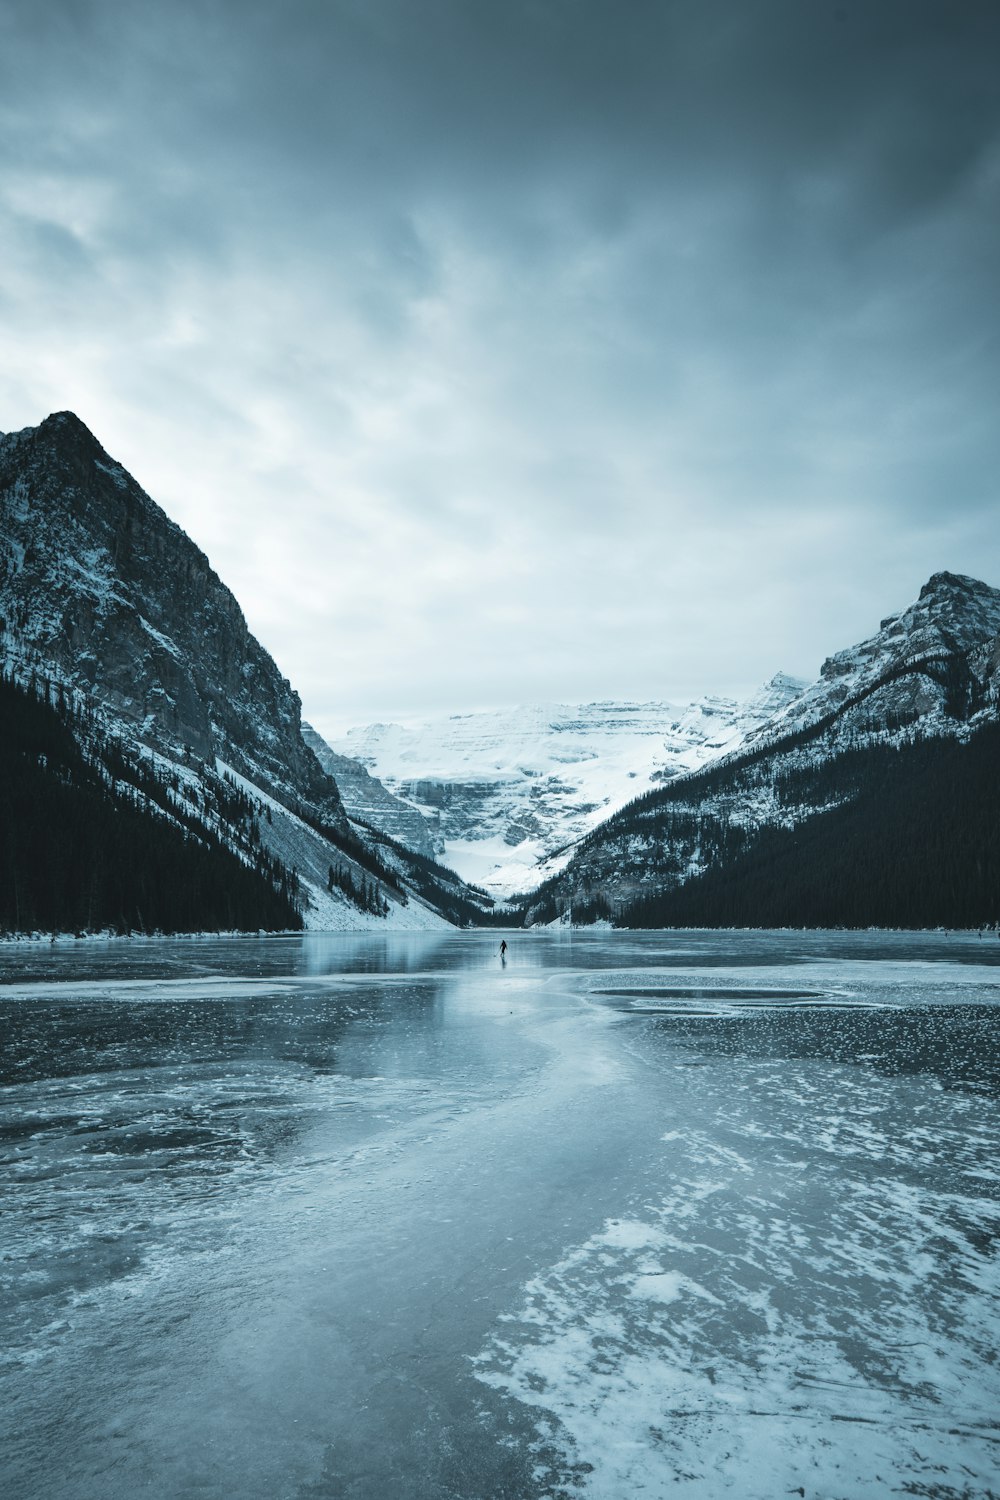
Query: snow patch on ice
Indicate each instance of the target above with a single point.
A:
(799, 1321)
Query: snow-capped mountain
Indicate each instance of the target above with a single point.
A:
(930, 676)
(100, 585)
(106, 599)
(922, 668)
(367, 802)
(505, 790)
(134, 689)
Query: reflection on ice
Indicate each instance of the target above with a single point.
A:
(635, 1214)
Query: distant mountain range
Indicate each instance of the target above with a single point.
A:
(155, 772)
(114, 617)
(368, 802)
(506, 794)
(540, 797)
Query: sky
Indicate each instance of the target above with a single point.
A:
(524, 351)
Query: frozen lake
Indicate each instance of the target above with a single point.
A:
(634, 1215)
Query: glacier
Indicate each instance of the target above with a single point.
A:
(505, 793)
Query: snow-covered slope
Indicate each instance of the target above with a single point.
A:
(931, 672)
(367, 802)
(108, 601)
(918, 669)
(505, 790)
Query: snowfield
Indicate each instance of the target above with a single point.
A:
(504, 792)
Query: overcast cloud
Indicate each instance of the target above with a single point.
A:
(521, 351)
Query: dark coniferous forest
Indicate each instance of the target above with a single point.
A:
(94, 841)
(914, 843)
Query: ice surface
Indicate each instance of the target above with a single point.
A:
(349, 1215)
(804, 1322)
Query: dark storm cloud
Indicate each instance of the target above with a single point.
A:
(682, 314)
(888, 107)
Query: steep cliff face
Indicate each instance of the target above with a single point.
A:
(366, 800)
(931, 673)
(98, 583)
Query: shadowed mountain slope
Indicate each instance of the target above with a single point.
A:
(861, 760)
(106, 603)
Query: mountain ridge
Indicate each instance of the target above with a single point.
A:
(107, 606)
(105, 600)
(184, 668)
(931, 673)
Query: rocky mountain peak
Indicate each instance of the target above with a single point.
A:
(775, 695)
(98, 583)
(69, 427)
(900, 675)
(62, 445)
(964, 606)
(945, 585)
(952, 613)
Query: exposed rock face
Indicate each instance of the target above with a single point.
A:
(932, 670)
(920, 669)
(367, 801)
(101, 593)
(100, 584)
